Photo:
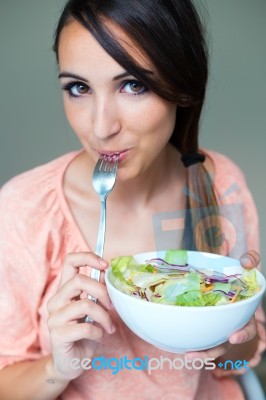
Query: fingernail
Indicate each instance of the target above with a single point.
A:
(239, 340)
(248, 260)
(234, 341)
(102, 262)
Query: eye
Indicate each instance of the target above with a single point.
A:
(133, 87)
(76, 89)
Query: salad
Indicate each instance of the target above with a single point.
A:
(173, 281)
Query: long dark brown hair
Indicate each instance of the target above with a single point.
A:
(170, 35)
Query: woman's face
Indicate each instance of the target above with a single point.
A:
(109, 110)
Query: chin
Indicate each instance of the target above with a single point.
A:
(126, 174)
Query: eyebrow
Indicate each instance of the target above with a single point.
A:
(71, 75)
(121, 76)
(75, 76)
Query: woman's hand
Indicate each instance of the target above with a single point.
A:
(248, 260)
(70, 336)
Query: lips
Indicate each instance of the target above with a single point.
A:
(109, 154)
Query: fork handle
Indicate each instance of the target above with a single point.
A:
(101, 233)
(95, 273)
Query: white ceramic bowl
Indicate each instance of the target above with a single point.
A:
(180, 329)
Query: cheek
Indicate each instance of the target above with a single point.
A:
(155, 118)
(164, 121)
(76, 118)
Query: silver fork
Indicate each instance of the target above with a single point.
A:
(103, 180)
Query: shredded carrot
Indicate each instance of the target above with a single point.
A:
(207, 288)
(233, 299)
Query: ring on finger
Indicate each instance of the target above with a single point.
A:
(89, 320)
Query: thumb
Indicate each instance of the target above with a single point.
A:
(250, 259)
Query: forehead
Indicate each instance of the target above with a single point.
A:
(77, 43)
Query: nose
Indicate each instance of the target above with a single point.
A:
(105, 117)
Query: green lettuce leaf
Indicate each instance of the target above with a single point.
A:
(249, 277)
(174, 287)
(192, 298)
(196, 299)
(176, 257)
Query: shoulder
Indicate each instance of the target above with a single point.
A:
(37, 183)
(226, 173)
(236, 204)
(31, 201)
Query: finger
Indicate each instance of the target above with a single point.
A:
(214, 352)
(79, 309)
(73, 261)
(102, 279)
(244, 335)
(74, 287)
(72, 333)
(250, 259)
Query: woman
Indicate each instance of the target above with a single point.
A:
(133, 76)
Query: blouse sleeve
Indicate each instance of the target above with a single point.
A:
(20, 286)
(251, 230)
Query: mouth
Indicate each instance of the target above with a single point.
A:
(113, 155)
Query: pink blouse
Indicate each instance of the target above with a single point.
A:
(37, 230)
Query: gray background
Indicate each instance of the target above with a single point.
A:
(33, 127)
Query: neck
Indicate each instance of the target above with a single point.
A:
(142, 191)
(152, 184)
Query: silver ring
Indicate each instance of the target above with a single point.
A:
(89, 320)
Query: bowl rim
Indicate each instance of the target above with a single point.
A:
(251, 299)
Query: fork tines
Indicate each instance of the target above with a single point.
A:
(107, 164)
